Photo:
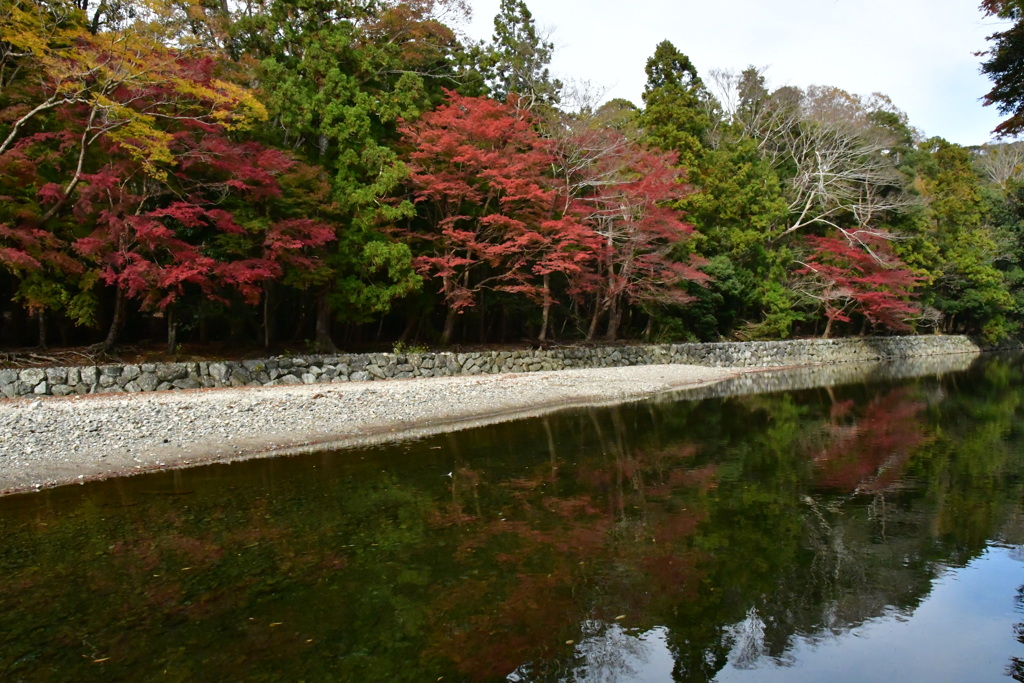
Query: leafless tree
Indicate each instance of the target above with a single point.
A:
(1001, 163)
(838, 163)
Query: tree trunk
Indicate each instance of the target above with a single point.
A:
(504, 323)
(268, 323)
(614, 320)
(449, 327)
(41, 318)
(828, 329)
(546, 312)
(323, 342)
(411, 323)
(94, 25)
(649, 330)
(300, 323)
(117, 323)
(594, 319)
(449, 317)
(172, 330)
(63, 331)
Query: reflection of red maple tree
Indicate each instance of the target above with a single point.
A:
(552, 551)
(871, 452)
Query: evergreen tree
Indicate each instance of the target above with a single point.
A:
(1005, 65)
(338, 77)
(676, 105)
(517, 60)
(954, 246)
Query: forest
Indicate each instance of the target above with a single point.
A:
(317, 174)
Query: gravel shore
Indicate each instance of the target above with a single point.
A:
(53, 441)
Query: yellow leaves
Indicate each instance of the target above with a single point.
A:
(135, 74)
(137, 135)
(34, 28)
(33, 33)
(234, 107)
(146, 144)
(22, 30)
(249, 106)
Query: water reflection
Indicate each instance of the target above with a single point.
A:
(686, 540)
(957, 633)
(1016, 666)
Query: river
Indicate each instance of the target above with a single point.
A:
(870, 530)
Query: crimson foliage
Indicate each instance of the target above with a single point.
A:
(863, 278)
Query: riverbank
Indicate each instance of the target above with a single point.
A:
(54, 441)
(124, 420)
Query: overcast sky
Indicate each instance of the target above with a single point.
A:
(918, 52)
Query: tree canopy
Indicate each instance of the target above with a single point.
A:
(355, 172)
(1005, 65)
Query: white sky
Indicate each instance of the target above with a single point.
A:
(918, 52)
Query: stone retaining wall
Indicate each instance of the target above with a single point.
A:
(375, 366)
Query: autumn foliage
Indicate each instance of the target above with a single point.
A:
(497, 219)
(477, 168)
(121, 168)
(295, 170)
(862, 277)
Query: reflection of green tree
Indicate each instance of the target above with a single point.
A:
(831, 560)
(344, 568)
(1015, 669)
(751, 536)
(731, 524)
(973, 471)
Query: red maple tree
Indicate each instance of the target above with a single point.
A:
(207, 223)
(865, 278)
(628, 205)
(118, 167)
(478, 170)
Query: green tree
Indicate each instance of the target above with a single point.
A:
(1002, 169)
(1005, 65)
(517, 59)
(338, 78)
(736, 211)
(954, 245)
(676, 105)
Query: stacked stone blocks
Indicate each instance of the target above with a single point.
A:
(106, 379)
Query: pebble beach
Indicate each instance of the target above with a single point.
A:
(52, 441)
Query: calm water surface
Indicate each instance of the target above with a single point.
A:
(865, 532)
